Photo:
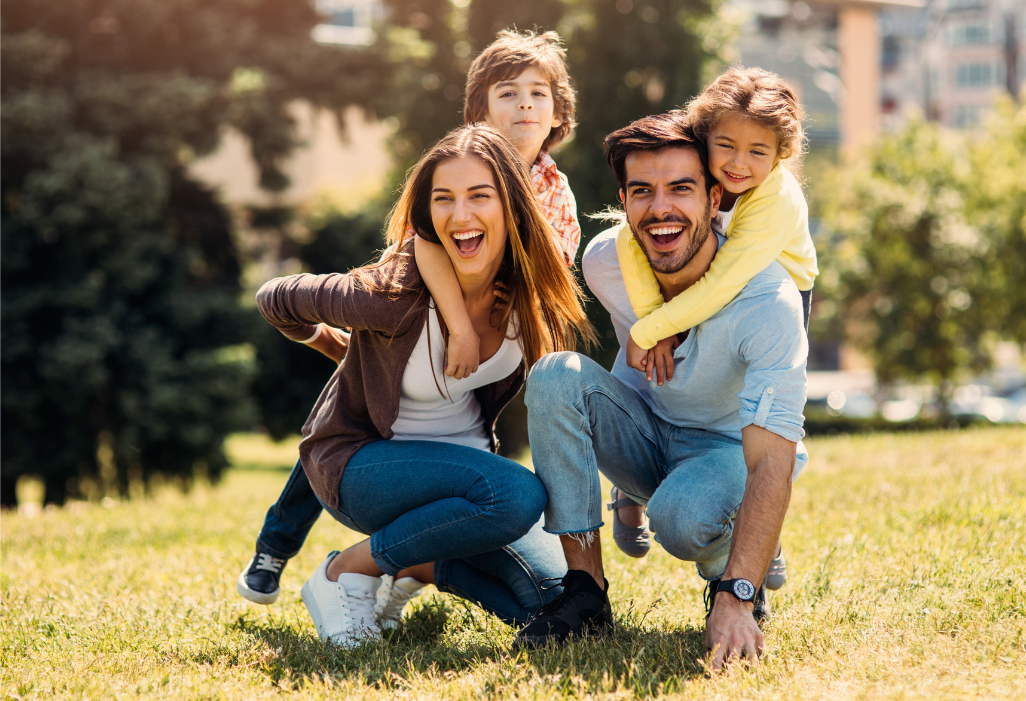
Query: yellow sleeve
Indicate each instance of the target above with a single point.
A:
(638, 278)
(766, 221)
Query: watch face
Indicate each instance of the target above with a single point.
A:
(744, 590)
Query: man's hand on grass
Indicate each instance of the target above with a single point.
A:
(731, 633)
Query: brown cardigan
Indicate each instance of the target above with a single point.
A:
(361, 400)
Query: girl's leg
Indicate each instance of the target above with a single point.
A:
(512, 582)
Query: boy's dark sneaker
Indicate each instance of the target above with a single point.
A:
(582, 609)
(761, 611)
(259, 580)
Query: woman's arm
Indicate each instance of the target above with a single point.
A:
(296, 304)
(437, 272)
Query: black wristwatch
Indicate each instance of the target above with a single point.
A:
(741, 588)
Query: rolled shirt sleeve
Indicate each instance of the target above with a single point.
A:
(767, 332)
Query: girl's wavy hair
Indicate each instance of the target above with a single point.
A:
(544, 295)
(508, 56)
(759, 95)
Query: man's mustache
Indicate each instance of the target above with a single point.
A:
(672, 219)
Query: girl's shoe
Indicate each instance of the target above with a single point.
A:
(636, 542)
(392, 596)
(776, 576)
(342, 611)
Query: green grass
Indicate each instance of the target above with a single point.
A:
(907, 558)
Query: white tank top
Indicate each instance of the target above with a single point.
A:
(455, 415)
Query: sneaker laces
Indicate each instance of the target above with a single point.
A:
(356, 606)
(266, 561)
(390, 601)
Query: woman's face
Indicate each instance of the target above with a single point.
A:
(468, 216)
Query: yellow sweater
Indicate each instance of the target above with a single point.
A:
(770, 222)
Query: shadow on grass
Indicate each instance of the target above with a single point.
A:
(448, 636)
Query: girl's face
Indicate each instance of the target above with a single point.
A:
(468, 215)
(742, 153)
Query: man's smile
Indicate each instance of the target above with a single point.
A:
(665, 235)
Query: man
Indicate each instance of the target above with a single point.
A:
(712, 451)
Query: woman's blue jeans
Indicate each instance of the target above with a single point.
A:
(474, 514)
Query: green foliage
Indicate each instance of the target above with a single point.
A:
(920, 271)
(996, 205)
(125, 349)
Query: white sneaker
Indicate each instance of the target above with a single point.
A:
(392, 597)
(342, 611)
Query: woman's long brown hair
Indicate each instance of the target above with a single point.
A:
(544, 296)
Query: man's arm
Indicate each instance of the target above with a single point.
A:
(731, 630)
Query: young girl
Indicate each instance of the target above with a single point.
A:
(750, 120)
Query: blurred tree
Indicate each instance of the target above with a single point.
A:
(908, 266)
(996, 204)
(124, 344)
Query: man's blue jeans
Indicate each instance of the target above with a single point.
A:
(474, 514)
(583, 421)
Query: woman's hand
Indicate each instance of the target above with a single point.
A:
(463, 354)
(332, 342)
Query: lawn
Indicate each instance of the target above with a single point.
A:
(907, 557)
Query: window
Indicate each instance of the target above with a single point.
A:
(967, 116)
(345, 22)
(974, 75)
(975, 33)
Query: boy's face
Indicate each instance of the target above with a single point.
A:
(522, 108)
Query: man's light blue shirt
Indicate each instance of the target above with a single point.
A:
(745, 365)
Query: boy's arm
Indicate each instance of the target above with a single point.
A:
(437, 273)
(762, 227)
(329, 341)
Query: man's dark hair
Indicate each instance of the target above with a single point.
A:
(659, 131)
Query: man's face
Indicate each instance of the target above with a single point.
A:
(667, 206)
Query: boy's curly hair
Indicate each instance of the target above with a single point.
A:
(763, 97)
(508, 56)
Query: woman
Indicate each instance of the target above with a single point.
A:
(393, 447)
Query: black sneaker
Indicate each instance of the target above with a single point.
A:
(761, 611)
(259, 580)
(582, 609)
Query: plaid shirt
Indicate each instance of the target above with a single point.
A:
(558, 203)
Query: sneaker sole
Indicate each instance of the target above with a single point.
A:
(312, 609)
(540, 641)
(252, 595)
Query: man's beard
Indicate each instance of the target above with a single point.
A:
(667, 264)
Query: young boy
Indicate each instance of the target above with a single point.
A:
(519, 85)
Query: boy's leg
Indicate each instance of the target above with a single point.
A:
(582, 420)
(512, 582)
(286, 526)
